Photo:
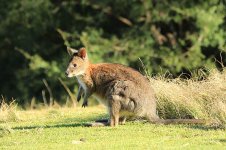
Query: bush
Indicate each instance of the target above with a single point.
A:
(178, 36)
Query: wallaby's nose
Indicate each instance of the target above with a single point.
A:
(66, 73)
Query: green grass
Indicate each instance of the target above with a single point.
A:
(64, 129)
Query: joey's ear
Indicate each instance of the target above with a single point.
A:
(71, 51)
(82, 53)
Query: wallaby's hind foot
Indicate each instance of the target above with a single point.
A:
(122, 120)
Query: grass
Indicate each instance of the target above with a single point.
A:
(192, 98)
(63, 129)
(8, 111)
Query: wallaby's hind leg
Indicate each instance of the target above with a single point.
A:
(122, 120)
(114, 108)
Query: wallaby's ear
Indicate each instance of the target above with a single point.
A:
(82, 53)
(71, 51)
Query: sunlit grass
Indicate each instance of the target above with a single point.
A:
(190, 98)
(64, 129)
(8, 111)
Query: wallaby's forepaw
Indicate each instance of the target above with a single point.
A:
(85, 104)
(79, 98)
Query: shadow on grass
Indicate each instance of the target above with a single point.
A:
(68, 122)
(82, 122)
(93, 118)
(50, 126)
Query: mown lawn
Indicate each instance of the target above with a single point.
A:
(64, 129)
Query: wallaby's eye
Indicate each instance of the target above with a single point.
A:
(75, 65)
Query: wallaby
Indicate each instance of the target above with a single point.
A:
(124, 91)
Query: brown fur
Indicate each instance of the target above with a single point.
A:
(123, 90)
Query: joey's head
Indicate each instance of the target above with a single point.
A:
(78, 63)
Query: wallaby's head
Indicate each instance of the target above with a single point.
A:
(78, 63)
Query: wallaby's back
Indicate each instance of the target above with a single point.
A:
(106, 72)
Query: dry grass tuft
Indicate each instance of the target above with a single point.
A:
(8, 112)
(179, 98)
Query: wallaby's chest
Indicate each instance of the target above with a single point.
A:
(82, 84)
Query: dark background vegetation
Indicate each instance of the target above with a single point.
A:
(178, 36)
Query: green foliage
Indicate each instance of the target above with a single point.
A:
(178, 36)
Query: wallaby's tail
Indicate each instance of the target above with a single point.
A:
(181, 121)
